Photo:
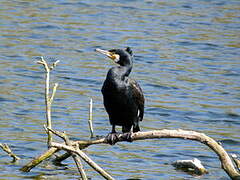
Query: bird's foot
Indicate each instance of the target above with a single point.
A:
(129, 137)
(112, 138)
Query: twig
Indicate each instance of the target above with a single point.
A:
(79, 165)
(47, 102)
(53, 92)
(61, 158)
(54, 64)
(48, 99)
(90, 118)
(7, 149)
(76, 151)
(84, 157)
(74, 155)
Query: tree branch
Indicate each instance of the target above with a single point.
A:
(90, 118)
(226, 161)
(53, 92)
(236, 161)
(48, 99)
(39, 159)
(74, 155)
(85, 158)
(79, 165)
(7, 149)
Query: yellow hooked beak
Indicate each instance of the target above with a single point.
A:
(113, 56)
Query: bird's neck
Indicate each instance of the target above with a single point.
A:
(119, 72)
(124, 71)
(125, 68)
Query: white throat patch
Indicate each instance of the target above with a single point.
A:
(116, 58)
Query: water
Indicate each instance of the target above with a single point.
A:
(186, 60)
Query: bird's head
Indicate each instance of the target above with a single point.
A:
(120, 56)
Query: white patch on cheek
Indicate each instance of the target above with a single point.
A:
(116, 58)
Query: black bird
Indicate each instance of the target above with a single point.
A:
(123, 98)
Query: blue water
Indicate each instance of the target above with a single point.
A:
(186, 61)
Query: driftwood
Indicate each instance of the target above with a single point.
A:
(48, 98)
(90, 118)
(39, 159)
(8, 150)
(195, 166)
(75, 156)
(74, 148)
(225, 159)
(236, 160)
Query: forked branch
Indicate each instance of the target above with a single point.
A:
(48, 98)
(75, 156)
(76, 151)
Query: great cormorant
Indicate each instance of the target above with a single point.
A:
(123, 98)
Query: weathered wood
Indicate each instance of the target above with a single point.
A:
(39, 159)
(195, 166)
(48, 98)
(8, 150)
(76, 158)
(89, 161)
(225, 159)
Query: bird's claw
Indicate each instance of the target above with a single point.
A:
(129, 137)
(112, 138)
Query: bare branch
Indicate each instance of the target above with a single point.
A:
(90, 118)
(74, 155)
(48, 99)
(62, 135)
(53, 92)
(236, 160)
(44, 63)
(54, 65)
(226, 162)
(61, 158)
(39, 159)
(84, 157)
(76, 151)
(79, 165)
(7, 149)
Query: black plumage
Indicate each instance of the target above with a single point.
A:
(123, 98)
